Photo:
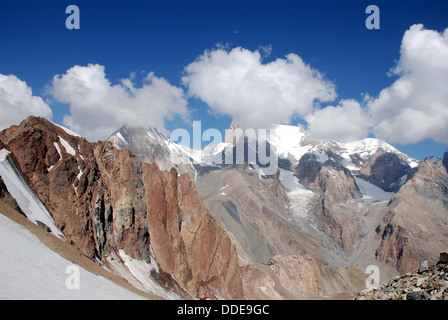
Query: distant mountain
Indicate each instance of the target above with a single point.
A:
(370, 159)
(338, 203)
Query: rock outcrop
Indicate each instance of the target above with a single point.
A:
(300, 277)
(284, 277)
(336, 188)
(106, 201)
(386, 171)
(6, 197)
(443, 259)
(445, 160)
(415, 225)
(428, 283)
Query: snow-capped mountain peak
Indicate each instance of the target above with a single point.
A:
(369, 146)
(284, 141)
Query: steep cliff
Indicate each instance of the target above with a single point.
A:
(415, 225)
(113, 207)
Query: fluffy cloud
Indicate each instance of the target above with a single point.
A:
(415, 106)
(412, 109)
(346, 122)
(98, 108)
(238, 84)
(17, 102)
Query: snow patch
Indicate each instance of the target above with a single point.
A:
(347, 163)
(79, 179)
(413, 163)
(120, 136)
(142, 270)
(372, 193)
(288, 180)
(322, 156)
(402, 179)
(67, 147)
(24, 195)
(56, 145)
(30, 270)
(70, 132)
(79, 174)
(149, 134)
(79, 152)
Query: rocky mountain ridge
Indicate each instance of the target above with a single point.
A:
(341, 203)
(129, 215)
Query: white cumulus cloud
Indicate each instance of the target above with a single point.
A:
(98, 108)
(17, 102)
(236, 83)
(346, 122)
(415, 106)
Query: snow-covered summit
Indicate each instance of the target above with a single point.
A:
(289, 140)
(369, 146)
(286, 141)
(294, 141)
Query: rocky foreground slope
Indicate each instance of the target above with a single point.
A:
(428, 283)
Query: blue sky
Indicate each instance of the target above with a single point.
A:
(133, 38)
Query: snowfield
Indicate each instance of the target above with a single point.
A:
(26, 198)
(30, 270)
(372, 193)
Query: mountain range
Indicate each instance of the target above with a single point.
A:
(181, 223)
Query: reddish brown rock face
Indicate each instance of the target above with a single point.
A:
(189, 242)
(414, 228)
(103, 199)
